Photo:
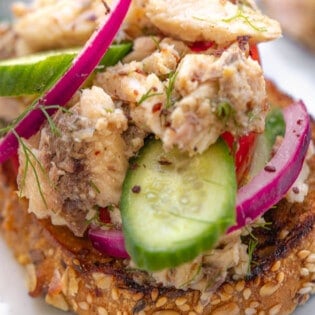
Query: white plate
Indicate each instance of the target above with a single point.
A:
(288, 65)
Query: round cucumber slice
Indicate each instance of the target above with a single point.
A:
(35, 73)
(174, 206)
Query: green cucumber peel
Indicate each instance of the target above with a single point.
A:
(274, 127)
(174, 207)
(34, 74)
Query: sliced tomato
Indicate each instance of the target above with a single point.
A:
(204, 45)
(254, 52)
(14, 164)
(104, 215)
(201, 46)
(243, 149)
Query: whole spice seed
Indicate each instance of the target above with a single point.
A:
(270, 168)
(136, 189)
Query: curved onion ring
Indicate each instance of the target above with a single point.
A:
(70, 82)
(270, 185)
(109, 242)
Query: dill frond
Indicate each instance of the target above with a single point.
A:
(242, 16)
(170, 88)
(150, 93)
(94, 187)
(32, 163)
(156, 42)
(30, 157)
(253, 242)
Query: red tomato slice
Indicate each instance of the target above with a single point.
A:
(243, 150)
(104, 215)
(14, 164)
(200, 46)
(254, 52)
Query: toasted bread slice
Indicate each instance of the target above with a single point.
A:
(72, 275)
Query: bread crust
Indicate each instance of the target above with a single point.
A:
(73, 276)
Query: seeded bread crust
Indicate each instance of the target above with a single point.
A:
(72, 276)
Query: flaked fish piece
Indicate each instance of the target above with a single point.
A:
(216, 20)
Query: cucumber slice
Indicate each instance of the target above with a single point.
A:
(174, 206)
(274, 127)
(35, 73)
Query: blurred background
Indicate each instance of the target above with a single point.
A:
(5, 13)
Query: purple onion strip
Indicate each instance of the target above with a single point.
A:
(273, 182)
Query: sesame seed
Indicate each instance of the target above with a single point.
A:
(180, 301)
(280, 277)
(250, 311)
(154, 295)
(268, 289)
(305, 290)
(247, 293)
(227, 309)
(102, 311)
(275, 309)
(276, 266)
(161, 301)
(114, 294)
(311, 258)
(184, 307)
(84, 306)
(302, 254)
(304, 272)
(215, 301)
(310, 267)
(228, 289)
(240, 285)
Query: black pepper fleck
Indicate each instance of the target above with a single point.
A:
(165, 162)
(136, 189)
(296, 190)
(270, 168)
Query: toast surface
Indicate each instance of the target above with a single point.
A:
(73, 276)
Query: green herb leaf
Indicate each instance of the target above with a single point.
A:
(224, 110)
(170, 88)
(242, 16)
(150, 93)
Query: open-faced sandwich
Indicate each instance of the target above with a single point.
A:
(149, 167)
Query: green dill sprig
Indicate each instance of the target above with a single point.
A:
(150, 93)
(94, 187)
(53, 127)
(253, 242)
(170, 88)
(224, 110)
(239, 15)
(242, 16)
(30, 157)
(156, 42)
(31, 161)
